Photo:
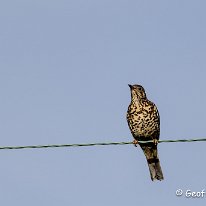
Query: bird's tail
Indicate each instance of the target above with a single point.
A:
(151, 154)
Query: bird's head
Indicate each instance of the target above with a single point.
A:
(137, 92)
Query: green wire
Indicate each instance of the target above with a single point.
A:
(95, 144)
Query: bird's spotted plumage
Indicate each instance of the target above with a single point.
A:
(144, 122)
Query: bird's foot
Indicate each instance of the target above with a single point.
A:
(135, 142)
(155, 141)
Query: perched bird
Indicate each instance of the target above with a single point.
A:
(144, 122)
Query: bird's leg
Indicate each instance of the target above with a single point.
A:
(155, 141)
(135, 142)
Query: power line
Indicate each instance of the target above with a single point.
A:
(95, 144)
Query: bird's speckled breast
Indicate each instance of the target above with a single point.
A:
(143, 120)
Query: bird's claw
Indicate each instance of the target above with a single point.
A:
(135, 142)
(155, 141)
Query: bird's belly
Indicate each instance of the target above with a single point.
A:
(142, 126)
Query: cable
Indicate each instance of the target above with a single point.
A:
(96, 144)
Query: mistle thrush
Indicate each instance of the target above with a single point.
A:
(144, 122)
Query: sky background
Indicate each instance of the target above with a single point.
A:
(64, 70)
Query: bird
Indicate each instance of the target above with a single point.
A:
(144, 123)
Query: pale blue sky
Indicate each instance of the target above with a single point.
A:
(64, 70)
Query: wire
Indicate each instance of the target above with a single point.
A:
(96, 144)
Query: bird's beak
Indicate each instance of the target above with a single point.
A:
(130, 86)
